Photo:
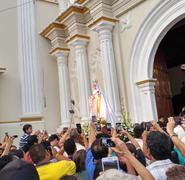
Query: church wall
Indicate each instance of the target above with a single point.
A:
(10, 95)
(124, 39)
(48, 65)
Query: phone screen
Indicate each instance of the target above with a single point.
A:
(110, 163)
(79, 128)
(109, 126)
(98, 127)
(118, 128)
(107, 142)
(94, 119)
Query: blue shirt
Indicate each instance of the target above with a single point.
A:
(89, 164)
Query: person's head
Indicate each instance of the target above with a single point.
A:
(176, 172)
(4, 160)
(138, 131)
(18, 153)
(98, 151)
(19, 169)
(159, 145)
(182, 115)
(70, 146)
(13, 148)
(27, 128)
(54, 140)
(68, 177)
(114, 174)
(75, 135)
(79, 159)
(47, 146)
(38, 154)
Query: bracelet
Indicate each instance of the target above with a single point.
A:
(173, 135)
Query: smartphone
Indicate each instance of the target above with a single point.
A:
(177, 120)
(98, 127)
(108, 125)
(110, 163)
(15, 136)
(79, 128)
(107, 142)
(94, 119)
(148, 126)
(118, 127)
(6, 134)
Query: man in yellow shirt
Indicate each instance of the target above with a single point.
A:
(48, 170)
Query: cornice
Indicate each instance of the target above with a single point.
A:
(70, 10)
(51, 27)
(80, 1)
(102, 19)
(146, 81)
(49, 1)
(2, 70)
(53, 51)
(78, 36)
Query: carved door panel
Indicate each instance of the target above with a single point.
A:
(163, 89)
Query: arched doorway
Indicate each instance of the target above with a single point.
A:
(161, 19)
(170, 85)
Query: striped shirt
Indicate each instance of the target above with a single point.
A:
(23, 140)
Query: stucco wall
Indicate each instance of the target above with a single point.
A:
(125, 40)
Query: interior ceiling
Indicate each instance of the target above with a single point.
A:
(173, 45)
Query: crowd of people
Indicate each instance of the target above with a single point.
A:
(155, 151)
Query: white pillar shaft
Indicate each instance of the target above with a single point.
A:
(109, 69)
(31, 89)
(83, 77)
(148, 105)
(64, 89)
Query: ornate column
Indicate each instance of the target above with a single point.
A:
(29, 65)
(148, 101)
(104, 30)
(64, 86)
(80, 48)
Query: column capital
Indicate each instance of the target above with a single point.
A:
(102, 24)
(58, 52)
(146, 83)
(78, 40)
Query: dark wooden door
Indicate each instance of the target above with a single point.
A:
(163, 89)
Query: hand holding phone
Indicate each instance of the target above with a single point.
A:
(79, 128)
(109, 127)
(110, 163)
(118, 128)
(94, 119)
(98, 127)
(107, 142)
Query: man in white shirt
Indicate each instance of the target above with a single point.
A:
(159, 152)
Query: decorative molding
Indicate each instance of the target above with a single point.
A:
(146, 81)
(22, 120)
(51, 26)
(80, 1)
(49, 1)
(2, 70)
(76, 36)
(103, 18)
(53, 51)
(125, 23)
(121, 7)
(69, 11)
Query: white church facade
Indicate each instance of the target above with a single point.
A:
(52, 51)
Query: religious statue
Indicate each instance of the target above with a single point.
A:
(97, 103)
